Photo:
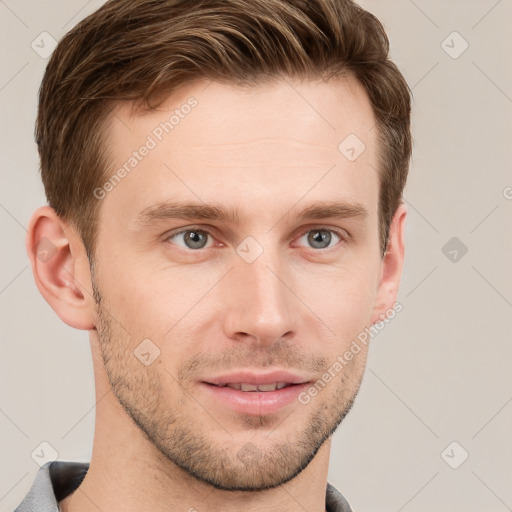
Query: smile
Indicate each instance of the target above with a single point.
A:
(252, 387)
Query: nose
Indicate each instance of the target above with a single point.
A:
(261, 308)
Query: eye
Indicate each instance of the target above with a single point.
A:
(321, 238)
(197, 239)
(190, 238)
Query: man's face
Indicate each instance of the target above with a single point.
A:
(266, 296)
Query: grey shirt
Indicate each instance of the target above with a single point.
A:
(57, 479)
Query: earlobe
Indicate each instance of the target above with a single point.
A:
(392, 264)
(60, 267)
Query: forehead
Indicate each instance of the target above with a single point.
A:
(218, 142)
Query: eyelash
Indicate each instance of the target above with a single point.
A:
(343, 237)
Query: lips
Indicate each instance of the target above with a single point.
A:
(245, 386)
(257, 381)
(252, 393)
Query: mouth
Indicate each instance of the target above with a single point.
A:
(248, 387)
(247, 380)
(256, 394)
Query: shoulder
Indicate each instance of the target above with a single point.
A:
(53, 482)
(335, 501)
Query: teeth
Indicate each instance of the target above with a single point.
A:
(253, 387)
(248, 387)
(267, 387)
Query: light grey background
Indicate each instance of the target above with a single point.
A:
(438, 373)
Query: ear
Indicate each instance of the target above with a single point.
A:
(61, 268)
(391, 267)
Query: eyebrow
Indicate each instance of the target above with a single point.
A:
(190, 211)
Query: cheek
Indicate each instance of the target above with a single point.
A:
(171, 308)
(154, 300)
(342, 297)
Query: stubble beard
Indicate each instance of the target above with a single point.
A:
(186, 443)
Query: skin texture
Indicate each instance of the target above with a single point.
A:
(162, 442)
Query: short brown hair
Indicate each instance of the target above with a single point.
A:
(141, 51)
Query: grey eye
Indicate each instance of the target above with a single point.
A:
(191, 238)
(320, 238)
